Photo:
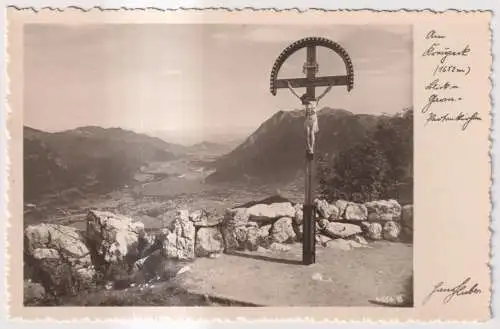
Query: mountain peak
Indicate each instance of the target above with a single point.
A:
(275, 151)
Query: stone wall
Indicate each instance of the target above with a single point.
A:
(112, 240)
(341, 224)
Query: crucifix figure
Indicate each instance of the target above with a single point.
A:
(310, 102)
(311, 119)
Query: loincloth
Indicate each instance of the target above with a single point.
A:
(311, 122)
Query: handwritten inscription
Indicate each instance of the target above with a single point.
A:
(464, 288)
(444, 86)
(437, 84)
(436, 49)
(465, 119)
(432, 34)
(435, 98)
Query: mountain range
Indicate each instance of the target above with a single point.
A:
(275, 151)
(87, 156)
(105, 158)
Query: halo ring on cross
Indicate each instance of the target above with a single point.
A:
(347, 79)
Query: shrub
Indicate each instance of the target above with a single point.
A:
(378, 167)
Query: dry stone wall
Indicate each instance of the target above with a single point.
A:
(113, 239)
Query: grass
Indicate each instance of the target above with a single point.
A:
(164, 294)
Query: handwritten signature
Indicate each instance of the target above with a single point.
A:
(462, 289)
(461, 117)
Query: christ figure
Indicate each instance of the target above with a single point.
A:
(311, 120)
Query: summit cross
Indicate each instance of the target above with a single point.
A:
(309, 100)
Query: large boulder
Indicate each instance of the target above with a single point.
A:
(355, 212)
(374, 231)
(115, 237)
(57, 257)
(58, 239)
(322, 223)
(341, 230)
(269, 212)
(234, 229)
(326, 210)
(208, 241)
(282, 230)
(341, 206)
(391, 231)
(299, 214)
(180, 238)
(383, 210)
(253, 238)
(265, 231)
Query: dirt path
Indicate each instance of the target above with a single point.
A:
(339, 278)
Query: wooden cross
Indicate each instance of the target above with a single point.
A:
(310, 82)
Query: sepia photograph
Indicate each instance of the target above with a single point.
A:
(218, 165)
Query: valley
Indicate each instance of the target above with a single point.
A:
(69, 172)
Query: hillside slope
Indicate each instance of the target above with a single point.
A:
(87, 157)
(275, 151)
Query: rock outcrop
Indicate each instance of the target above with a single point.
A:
(299, 214)
(282, 230)
(180, 238)
(374, 231)
(234, 229)
(341, 230)
(391, 231)
(355, 212)
(58, 257)
(326, 210)
(208, 241)
(115, 237)
(383, 210)
(267, 213)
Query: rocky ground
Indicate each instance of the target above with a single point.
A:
(113, 252)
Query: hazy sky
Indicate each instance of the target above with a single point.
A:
(192, 78)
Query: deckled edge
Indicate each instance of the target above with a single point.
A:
(363, 320)
(237, 9)
(493, 206)
(6, 156)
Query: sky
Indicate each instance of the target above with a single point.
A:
(199, 79)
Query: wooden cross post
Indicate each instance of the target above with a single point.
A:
(310, 82)
(309, 228)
